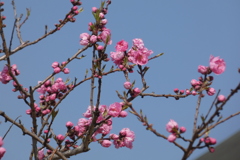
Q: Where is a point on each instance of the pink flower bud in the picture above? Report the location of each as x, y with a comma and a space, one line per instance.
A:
171, 138
221, 98
194, 93
93, 39
136, 90
127, 85
202, 69
74, 8
211, 149
212, 140
176, 90
28, 111
194, 82
202, 140
188, 92
55, 64
66, 71
182, 129
106, 143
46, 131
104, 21
1, 142
181, 91
211, 91
69, 124
123, 114
57, 70
52, 97
100, 48
2, 152
60, 137
101, 15
94, 9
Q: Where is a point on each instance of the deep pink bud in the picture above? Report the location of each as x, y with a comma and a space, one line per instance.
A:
194, 93
202, 69
127, 85
176, 90
212, 140
221, 98
2, 152
123, 114
74, 8
181, 91
1, 142
182, 129
57, 70
60, 137
52, 97
211, 91
66, 71
46, 131
211, 149
171, 138
55, 64
94, 9
69, 124
100, 47
106, 143
28, 111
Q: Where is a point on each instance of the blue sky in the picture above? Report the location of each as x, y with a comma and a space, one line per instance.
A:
187, 31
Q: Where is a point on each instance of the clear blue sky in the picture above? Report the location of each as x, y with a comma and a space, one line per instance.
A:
187, 31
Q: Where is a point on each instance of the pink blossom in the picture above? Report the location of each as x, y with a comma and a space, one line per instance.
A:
84, 39
139, 57
128, 142
127, 133
105, 129
115, 109
5, 76
172, 126
188, 92
202, 69
60, 137
93, 39
101, 15
106, 143
136, 92
88, 113
105, 36
221, 98
121, 46
211, 91
52, 97
1, 142
2, 152
116, 56
217, 65
138, 43
41, 154
171, 138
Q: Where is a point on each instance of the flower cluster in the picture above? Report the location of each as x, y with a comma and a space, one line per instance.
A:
124, 139
50, 91
105, 33
172, 127
57, 68
208, 142
5, 77
2, 150
138, 54
217, 66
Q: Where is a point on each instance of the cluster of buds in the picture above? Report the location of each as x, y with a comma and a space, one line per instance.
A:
208, 142
172, 127
5, 76
2, 150
2, 17
51, 91
39, 111
57, 68
133, 91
